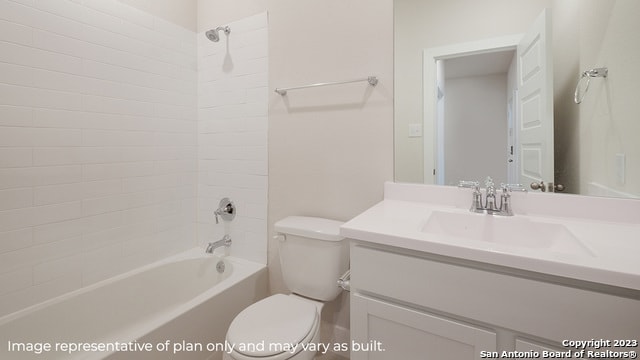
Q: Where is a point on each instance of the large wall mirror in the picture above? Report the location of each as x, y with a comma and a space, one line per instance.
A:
461, 109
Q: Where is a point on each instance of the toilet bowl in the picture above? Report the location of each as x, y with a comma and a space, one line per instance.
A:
313, 255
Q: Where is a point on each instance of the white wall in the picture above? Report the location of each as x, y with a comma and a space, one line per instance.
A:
330, 149
97, 144
476, 128
232, 134
608, 122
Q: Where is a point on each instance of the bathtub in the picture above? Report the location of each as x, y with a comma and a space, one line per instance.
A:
178, 308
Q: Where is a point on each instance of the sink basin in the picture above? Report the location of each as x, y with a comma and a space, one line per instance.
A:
508, 230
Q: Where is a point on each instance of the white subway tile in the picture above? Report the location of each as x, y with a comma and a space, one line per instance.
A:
57, 156
116, 106
98, 239
102, 20
108, 7
57, 99
101, 258
49, 41
140, 199
136, 184
57, 231
16, 239
51, 175
57, 212
56, 137
54, 80
17, 95
57, 268
15, 157
16, 116
103, 205
58, 118
98, 123
117, 138
103, 70
100, 87
16, 136
48, 21
35, 254
25, 2
93, 189
16, 33
17, 13
15, 280
16, 198
57, 287
56, 194
16, 74
139, 17
16, 301
64, 8
93, 172
102, 221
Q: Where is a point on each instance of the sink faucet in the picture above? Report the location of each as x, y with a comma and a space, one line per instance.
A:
225, 241
490, 206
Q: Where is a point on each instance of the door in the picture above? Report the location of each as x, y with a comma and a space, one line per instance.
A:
535, 103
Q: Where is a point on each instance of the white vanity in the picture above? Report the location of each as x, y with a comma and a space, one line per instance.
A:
431, 280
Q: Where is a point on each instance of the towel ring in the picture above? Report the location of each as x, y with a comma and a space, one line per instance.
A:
592, 73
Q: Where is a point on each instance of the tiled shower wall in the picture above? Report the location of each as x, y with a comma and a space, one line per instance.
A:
232, 134
98, 144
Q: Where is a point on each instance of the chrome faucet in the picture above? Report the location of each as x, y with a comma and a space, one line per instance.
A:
225, 241
490, 205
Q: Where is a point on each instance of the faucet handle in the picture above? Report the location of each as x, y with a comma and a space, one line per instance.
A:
226, 210
469, 184
513, 187
488, 182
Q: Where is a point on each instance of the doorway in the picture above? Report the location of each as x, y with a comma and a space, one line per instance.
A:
475, 114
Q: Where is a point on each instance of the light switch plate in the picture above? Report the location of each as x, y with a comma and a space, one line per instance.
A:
415, 130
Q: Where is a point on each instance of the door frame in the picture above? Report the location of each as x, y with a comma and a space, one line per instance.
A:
433, 156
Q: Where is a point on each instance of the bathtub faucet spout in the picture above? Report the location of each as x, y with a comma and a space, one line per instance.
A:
225, 241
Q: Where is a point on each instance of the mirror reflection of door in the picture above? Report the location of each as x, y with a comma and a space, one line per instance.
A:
492, 109
475, 119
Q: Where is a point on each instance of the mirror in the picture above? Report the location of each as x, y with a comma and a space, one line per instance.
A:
596, 147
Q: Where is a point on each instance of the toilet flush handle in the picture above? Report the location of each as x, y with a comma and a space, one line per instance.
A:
280, 237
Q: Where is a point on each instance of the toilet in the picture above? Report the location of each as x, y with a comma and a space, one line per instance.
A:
313, 256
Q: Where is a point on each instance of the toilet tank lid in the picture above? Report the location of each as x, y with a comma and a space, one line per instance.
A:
311, 227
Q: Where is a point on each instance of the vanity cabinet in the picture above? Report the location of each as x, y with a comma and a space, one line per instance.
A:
391, 331
422, 306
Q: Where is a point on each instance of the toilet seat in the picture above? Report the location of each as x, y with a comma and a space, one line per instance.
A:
279, 320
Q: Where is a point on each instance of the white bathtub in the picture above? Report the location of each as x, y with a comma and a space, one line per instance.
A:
180, 299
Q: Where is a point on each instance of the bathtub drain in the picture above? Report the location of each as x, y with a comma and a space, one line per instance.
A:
220, 266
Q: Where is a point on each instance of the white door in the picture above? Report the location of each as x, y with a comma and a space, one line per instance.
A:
535, 103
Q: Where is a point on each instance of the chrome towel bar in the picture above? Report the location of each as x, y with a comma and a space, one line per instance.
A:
372, 80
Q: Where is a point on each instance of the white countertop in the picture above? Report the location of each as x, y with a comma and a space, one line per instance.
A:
613, 242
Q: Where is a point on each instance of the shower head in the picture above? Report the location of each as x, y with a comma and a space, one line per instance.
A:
213, 33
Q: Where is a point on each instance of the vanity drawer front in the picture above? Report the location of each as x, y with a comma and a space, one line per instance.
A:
403, 333
547, 310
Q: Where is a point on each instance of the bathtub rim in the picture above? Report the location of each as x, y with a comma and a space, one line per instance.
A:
248, 268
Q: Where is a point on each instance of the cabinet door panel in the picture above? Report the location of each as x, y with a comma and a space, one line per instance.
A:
395, 332
544, 350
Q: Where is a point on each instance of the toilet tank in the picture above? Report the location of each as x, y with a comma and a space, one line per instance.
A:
313, 255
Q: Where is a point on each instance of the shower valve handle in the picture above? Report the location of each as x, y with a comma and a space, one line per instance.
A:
226, 210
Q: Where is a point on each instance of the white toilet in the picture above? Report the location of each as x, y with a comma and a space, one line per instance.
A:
313, 256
